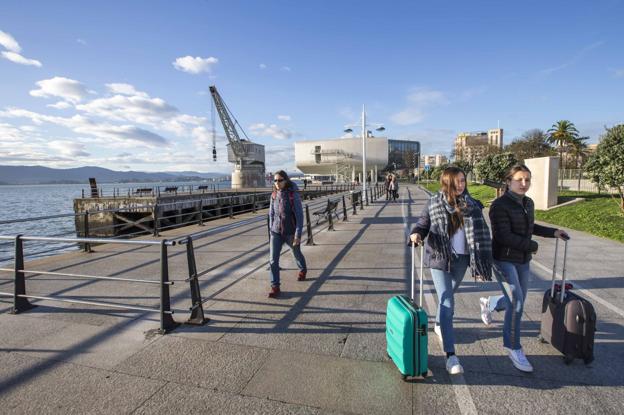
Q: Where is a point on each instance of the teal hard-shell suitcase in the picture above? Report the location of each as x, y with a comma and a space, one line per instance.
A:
406, 330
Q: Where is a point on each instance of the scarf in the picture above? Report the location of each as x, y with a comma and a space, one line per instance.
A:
477, 232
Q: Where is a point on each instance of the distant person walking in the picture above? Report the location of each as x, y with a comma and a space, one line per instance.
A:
457, 237
394, 188
387, 186
285, 225
512, 218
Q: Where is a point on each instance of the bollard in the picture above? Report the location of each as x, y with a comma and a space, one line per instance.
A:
330, 218
344, 209
354, 202
310, 240
167, 323
155, 218
361, 201
366, 196
197, 309
86, 246
19, 287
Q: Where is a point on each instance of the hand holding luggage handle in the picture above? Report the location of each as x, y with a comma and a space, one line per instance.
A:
563, 271
422, 251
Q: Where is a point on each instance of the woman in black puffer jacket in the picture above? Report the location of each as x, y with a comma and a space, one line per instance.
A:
512, 221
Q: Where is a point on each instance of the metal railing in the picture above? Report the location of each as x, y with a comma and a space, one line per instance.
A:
21, 299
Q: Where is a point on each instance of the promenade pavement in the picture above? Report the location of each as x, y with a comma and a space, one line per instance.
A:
319, 348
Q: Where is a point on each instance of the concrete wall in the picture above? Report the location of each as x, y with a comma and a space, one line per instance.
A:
543, 189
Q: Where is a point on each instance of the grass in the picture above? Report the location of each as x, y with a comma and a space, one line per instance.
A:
598, 215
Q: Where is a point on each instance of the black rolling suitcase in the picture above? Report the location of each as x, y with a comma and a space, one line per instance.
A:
568, 320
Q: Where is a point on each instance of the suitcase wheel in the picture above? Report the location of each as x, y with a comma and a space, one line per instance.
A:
541, 339
567, 359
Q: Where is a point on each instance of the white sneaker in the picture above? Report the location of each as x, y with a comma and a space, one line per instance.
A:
438, 331
519, 360
453, 366
486, 313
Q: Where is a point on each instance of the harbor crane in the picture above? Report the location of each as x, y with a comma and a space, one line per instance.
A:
248, 157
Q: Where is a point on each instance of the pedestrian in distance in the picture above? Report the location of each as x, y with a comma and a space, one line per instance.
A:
512, 219
457, 238
387, 186
395, 188
286, 225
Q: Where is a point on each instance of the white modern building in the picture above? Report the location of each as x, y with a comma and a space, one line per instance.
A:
342, 157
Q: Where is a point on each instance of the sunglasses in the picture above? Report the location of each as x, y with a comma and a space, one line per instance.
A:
278, 180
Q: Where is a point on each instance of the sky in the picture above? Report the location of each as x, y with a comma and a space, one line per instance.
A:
124, 84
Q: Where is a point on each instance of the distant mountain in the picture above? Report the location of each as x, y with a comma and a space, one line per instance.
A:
80, 175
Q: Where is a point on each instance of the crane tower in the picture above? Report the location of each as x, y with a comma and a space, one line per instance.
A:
248, 157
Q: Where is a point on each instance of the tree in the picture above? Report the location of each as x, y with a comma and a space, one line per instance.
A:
606, 165
494, 167
533, 143
578, 150
562, 133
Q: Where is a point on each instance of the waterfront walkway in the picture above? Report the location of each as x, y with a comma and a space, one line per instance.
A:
320, 348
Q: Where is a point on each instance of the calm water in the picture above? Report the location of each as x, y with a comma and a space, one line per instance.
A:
28, 201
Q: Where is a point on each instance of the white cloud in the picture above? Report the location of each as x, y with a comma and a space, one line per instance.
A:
81, 41
286, 68
67, 89
283, 117
280, 157
124, 89
69, 148
270, 130
17, 58
262, 66
619, 73
61, 105
577, 57
9, 42
195, 65
419, 100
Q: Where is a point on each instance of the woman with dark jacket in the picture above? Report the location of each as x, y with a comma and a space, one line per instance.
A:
285, 226
512, 220
457, 238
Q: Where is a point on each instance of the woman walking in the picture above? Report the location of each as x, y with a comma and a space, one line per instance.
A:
512, 219
457, 238
285, 226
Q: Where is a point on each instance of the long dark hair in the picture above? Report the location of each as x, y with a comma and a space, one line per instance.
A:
284, 176
513, 170
447, 184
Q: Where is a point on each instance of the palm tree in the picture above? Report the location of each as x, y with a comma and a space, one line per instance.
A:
562, 133
578, 150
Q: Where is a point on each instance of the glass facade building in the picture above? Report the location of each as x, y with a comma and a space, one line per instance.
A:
403, 154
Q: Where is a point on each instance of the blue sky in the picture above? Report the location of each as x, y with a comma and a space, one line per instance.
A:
123, 84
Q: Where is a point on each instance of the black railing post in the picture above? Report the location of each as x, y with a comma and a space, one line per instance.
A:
253, 198
344, 209
167, 323
19, 287
201, 212
197, 309
361, 200
231, 209
155, 217
310, 240
366, 195
330, 218
354, 202
86, 246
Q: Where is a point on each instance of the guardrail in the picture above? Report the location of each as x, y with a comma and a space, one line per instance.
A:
21, 299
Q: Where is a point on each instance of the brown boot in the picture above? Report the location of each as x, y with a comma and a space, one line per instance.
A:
302, 275
275, 291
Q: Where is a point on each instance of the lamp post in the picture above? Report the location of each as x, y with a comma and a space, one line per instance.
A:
365, 133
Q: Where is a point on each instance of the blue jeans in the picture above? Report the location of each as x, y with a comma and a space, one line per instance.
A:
514, 281
276, 243
446, 283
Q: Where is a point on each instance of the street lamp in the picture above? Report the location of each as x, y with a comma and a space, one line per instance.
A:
365, 133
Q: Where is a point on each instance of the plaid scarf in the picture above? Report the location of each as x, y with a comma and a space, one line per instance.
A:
477, 233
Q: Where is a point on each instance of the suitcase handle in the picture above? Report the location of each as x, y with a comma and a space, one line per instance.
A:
563, 271
422, 255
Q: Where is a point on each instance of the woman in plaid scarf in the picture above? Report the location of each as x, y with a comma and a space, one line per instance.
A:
457, 238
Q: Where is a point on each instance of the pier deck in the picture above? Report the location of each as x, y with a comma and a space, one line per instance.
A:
320, 348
